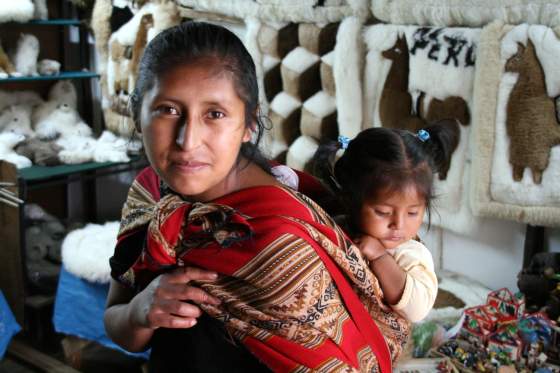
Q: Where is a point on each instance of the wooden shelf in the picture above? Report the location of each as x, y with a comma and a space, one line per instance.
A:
62, 75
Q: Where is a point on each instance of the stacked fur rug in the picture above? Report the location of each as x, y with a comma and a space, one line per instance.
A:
417, 75
517, 136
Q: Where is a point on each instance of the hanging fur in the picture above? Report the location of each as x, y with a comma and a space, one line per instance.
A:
140, 43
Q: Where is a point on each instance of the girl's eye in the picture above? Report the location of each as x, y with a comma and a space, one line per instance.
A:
215, 114
413, 213
382, 213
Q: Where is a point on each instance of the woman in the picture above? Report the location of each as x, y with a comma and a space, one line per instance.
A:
219, 267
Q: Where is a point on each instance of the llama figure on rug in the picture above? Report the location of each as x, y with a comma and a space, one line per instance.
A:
395, 104
531, 121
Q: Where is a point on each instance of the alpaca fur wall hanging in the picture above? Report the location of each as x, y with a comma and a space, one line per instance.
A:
6, 66
473, 13
517, 154
418, 75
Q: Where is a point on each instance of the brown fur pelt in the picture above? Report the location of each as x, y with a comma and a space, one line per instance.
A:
146, 22
395, 104
119, 55
5, 63
531, 121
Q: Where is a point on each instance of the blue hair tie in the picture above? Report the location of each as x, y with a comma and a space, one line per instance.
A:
423, 135
343, 141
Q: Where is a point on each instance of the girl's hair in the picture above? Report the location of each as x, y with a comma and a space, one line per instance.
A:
385, 160
190, 42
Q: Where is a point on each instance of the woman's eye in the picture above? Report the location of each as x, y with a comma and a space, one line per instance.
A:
167, 110
382, 213
215, 114
413, 213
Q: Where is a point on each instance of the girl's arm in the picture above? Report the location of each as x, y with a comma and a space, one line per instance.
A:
391, 276
130, 320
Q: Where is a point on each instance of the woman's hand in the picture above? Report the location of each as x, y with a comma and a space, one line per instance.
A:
370, 247
170, 302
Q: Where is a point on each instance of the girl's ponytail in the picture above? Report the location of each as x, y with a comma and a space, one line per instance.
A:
322, 164
443, 140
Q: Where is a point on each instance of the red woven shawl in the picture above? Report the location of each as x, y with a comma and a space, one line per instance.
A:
294, 289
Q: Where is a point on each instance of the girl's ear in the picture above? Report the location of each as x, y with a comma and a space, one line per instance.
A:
248, 134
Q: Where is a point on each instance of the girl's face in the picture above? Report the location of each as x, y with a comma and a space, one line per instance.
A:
193, 125
393, 217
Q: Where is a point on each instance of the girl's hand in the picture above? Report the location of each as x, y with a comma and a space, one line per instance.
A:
370, 247
169, 301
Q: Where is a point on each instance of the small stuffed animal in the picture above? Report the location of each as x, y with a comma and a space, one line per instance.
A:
16, 119
8, 140
19, 97
27, 52
48, 67
64, 92
41, 10
63, 121
6, 66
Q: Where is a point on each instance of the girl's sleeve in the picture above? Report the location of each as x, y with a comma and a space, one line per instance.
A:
421, 281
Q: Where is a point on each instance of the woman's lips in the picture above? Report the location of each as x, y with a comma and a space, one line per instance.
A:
190, 166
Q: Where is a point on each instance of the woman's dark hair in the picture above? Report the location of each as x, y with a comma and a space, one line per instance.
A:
385, 160
189, 42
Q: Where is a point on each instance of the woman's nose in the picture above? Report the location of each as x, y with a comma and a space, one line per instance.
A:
189, 134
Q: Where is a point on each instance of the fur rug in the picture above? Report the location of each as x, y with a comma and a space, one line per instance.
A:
86, 251
412, 76
474, 13
494, 191
284, 11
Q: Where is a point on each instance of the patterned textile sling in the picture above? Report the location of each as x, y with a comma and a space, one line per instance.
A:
294, 289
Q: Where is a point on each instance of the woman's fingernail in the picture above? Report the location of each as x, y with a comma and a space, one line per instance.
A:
193, 322
214, 275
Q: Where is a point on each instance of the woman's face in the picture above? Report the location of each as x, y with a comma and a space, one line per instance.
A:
393, 217
193, 125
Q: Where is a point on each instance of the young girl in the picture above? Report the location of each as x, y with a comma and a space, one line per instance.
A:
384, 181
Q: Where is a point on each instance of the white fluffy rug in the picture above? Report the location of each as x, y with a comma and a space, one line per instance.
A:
86, 251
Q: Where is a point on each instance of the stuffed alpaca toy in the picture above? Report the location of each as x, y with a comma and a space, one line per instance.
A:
18, 11
48, 67
19, 97
16, 119
6, 66
41, 10
63, 92
63, 121
8, 140
42, 153
26, 54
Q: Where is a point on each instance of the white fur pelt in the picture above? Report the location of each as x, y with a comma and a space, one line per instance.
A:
62, 92
8, 140
347, 67
86, 251
26, 54
493, 191
18, 11
281, 11
473, 13
435, 79
17, 119
502, 187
